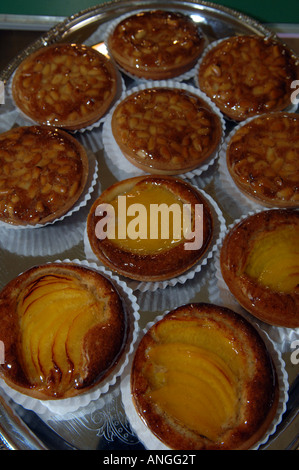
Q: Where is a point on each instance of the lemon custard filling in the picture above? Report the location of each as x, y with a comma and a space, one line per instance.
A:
273, 260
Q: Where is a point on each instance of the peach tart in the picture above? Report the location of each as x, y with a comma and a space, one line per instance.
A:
43, 173
263, 159
156, 44
166, 130
63, 327
248, 75
138, 244
203, 379
70, 86
259, 262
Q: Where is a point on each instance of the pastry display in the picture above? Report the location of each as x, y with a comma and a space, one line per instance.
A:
63, 327
69, 86
259, 263
143, 233
166, 130
263, 159
202, 378
43, 172
156, 44
248, 75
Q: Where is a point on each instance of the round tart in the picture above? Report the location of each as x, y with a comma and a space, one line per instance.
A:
156, 44
248, 75
166, 130
43, 172
63, 327
263, 159
259, 263
139, 229
65, 85
202, 378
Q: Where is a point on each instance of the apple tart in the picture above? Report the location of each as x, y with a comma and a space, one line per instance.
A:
136, 227
43, 172
263, 159
156, 44
203, 379
63, 327
69, 86
248, 75
259, 262
165, 130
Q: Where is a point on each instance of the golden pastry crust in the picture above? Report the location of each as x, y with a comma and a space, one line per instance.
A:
248, 75
259, 259
173, 391
43, 172
69, 86
156, 44
164, 262
166, 130
63, 327
263, 159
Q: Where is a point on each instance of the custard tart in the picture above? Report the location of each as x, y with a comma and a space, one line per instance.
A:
166, 130
139, 227
43, 172
69, 86
156, 44
63, 327
248, 75
259, 262
263, 159
203, 379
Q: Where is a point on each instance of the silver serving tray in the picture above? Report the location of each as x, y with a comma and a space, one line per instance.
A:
103, 424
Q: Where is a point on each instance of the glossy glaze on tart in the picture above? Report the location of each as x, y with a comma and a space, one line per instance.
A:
248, 75
166, 130
263, 159
43, 172
63, 327
69, 86
259, 263
202, 378
133, 250
156, 44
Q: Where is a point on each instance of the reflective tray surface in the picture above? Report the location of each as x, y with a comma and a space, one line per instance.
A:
103, 424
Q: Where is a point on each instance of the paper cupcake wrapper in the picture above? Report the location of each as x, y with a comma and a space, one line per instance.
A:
151, 442
81, 202
117, 162
219, 229
227, 191
291, 108
68, 405
219, 293
112, 25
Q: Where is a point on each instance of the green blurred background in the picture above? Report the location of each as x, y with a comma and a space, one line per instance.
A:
268, 11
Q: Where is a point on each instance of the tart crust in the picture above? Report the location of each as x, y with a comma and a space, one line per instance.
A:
69, 86
274, 304
156, 44
163, 263
43, 173
69, 361
167, 351
166, 130
263, 159
248, 75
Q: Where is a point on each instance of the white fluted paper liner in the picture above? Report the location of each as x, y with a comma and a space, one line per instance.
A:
219, 293
68, 405
151, 442
118, 163
112, 25
81, 202
218, 233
